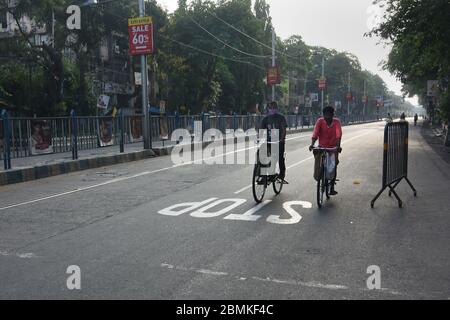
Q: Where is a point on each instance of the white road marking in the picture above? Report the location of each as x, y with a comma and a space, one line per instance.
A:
295, 216
124, 179
250, 214
302, 161
309, 284
28, 255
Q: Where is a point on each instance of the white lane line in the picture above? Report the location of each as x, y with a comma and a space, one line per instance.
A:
127, 178
28, 255
309, 284
243, 189
304, 160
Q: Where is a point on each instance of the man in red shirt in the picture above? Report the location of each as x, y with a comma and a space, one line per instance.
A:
329, 132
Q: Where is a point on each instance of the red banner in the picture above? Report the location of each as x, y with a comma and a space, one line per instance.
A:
273, 75
322, 83
141, 35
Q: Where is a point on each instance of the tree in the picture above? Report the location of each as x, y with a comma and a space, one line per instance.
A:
419, 32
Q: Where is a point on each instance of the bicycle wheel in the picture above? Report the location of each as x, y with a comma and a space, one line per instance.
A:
320, 189
259, 184
327, 188
277, 183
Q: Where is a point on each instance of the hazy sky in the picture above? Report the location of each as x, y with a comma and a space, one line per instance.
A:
335, 24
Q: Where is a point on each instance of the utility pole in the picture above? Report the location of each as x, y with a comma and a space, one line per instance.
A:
304, 91
348, 98
323, 75
365, 101
144, 78
53, 28
273, 61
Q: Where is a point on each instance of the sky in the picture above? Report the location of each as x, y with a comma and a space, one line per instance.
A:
335, 24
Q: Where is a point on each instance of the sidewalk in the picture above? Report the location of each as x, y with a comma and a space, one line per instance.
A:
435, 139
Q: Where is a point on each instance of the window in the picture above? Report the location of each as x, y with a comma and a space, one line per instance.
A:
3, 20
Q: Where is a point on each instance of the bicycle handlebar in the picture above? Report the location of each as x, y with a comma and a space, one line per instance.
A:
326, 149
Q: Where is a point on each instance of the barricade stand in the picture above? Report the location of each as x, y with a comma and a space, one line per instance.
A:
395, 160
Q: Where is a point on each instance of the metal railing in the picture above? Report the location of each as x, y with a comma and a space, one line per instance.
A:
24, 137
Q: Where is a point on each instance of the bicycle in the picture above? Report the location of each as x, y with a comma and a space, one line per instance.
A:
261, 181
323, 184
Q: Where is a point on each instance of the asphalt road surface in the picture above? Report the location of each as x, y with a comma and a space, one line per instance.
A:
120, 225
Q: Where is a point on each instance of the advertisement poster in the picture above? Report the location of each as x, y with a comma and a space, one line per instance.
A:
41, 137
273, 75
163, 125
103, 102
136, 130
105, 132
140, 32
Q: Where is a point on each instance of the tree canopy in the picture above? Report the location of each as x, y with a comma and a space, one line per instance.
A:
210, 56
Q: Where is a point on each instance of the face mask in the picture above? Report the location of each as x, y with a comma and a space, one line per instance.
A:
273, 111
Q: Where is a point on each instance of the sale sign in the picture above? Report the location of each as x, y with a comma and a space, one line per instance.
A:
273, 75
141, 35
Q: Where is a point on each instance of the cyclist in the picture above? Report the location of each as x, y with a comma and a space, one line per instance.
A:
328, 131
275, 120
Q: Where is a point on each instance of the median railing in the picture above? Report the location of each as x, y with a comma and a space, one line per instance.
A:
24, 137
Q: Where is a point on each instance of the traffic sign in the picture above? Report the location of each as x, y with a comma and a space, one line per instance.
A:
140, 35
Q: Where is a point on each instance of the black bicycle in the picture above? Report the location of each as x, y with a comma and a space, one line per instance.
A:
263, 177
323, 183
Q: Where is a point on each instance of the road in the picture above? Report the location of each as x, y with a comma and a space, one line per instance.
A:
113, 223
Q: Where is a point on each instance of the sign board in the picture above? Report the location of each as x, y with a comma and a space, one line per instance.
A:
140, 32
432, 88
273, 75
103, 101
337, 105
314, 97
137, 79
365, 99
322, 83
41, 137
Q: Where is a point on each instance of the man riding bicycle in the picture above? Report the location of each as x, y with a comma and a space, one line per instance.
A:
328, 131
276, 121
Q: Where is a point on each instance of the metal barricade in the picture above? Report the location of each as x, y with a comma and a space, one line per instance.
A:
395, 159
